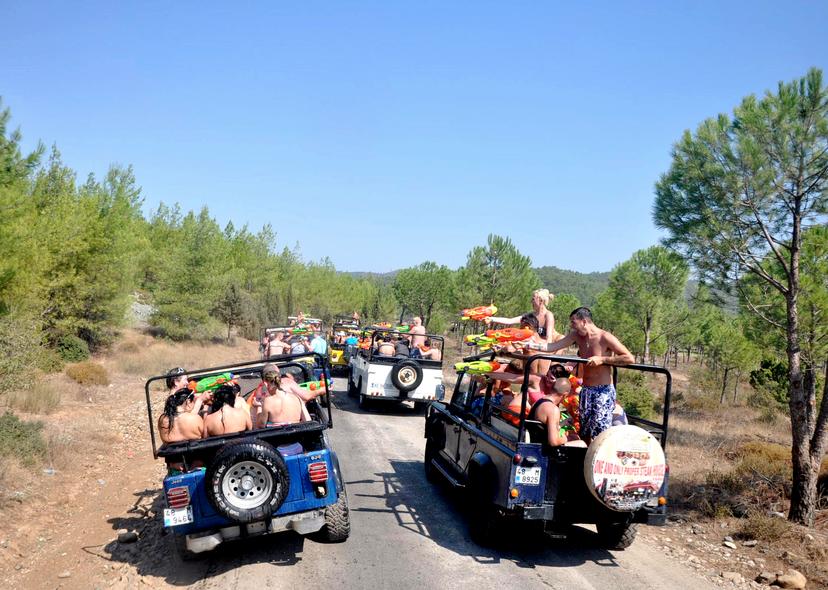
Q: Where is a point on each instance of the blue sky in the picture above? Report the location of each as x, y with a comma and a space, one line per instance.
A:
383, 134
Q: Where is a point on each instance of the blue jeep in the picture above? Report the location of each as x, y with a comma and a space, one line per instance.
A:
254, 482
502, 461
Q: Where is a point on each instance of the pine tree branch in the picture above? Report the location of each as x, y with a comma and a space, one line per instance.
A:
756, 310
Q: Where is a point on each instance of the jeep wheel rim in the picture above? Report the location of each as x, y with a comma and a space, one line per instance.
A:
407, 376
247, 485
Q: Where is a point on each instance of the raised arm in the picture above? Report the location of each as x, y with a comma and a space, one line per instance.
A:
505, 321
567, 340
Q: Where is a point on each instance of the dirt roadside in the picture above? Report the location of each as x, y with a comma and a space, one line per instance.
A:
61, 530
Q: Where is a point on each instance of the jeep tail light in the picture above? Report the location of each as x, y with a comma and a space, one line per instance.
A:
318, 472
178, 497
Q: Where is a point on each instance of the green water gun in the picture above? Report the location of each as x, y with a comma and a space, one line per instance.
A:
480, 340
316, 385
210, 383
402, 329
478, 367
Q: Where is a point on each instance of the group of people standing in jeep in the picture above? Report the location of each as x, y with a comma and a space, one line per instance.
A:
550, 384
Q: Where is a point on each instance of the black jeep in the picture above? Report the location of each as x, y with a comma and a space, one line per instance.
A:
508, 471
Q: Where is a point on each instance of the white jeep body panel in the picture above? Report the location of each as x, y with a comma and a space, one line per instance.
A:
374, 380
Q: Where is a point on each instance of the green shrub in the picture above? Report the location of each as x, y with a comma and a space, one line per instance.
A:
88, 373
50, 361
20, 351
73, 349
636, 400
22, 440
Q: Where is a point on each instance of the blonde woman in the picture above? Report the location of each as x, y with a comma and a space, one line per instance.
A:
546, 321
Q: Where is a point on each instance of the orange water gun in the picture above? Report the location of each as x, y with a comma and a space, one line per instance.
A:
572, 404
576, 383
479, 313
510, 334
314, 385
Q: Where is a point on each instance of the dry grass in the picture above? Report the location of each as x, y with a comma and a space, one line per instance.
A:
40, 398
764, 528
88, 373
145, 356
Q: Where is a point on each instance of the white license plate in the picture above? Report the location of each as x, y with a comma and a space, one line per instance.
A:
178, 516
528, 476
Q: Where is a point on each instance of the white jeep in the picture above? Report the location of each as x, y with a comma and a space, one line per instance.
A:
405, 375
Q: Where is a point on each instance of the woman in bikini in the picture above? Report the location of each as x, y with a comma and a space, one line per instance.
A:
546, 320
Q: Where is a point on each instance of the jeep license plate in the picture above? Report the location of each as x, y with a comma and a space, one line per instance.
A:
528, 476
178, 516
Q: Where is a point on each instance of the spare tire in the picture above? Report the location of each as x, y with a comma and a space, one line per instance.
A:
406, 375
624, 468
247, 481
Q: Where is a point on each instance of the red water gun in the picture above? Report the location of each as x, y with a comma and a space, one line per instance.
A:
510, 334
479, 313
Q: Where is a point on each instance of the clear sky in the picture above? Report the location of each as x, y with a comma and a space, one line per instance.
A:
382, 134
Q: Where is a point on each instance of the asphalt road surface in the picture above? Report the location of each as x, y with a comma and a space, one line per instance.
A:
406, 533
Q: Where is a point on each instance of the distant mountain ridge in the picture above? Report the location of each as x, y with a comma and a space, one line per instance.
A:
584, 286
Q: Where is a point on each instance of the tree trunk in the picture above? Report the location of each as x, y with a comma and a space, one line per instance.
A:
647, 327
805, 471
736, 386
724, 386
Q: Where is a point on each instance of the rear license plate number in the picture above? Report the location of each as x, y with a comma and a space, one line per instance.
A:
178, 516
529, 476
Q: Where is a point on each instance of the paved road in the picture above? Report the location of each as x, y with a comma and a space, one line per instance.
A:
407, 534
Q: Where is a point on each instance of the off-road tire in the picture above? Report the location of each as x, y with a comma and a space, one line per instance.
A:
337, 526
259, 464
431, 473
406, 375
617, 535
485, 522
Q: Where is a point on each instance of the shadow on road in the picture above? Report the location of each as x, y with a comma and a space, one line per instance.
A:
154, 554
343, 402
438, 514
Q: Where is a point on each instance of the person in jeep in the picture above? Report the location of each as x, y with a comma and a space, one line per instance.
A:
602, 351
279, 407
224, 416
179, 420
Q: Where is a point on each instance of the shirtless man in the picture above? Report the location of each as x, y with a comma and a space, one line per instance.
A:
546, 410
417, 332
386, 348
277, 345
179, 422
602, 351
224, 417
279, 407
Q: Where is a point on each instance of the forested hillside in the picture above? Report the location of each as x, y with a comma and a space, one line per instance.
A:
584, 286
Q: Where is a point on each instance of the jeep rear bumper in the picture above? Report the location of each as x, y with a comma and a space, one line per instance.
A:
303, 523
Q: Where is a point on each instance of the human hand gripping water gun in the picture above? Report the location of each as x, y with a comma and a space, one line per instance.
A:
510, 334
478, 313
478, 367
210, 383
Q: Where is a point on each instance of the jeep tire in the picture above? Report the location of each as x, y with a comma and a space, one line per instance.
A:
247, 481
616, 535
406, 375
337, 526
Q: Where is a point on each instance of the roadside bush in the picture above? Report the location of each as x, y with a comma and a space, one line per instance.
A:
73, 349
50, 361
634, 395
88, 373
770, 384
763, 528
22, 440
20, 351
40, 398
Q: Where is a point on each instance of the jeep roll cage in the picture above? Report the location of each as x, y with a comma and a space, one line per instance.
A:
658, 430
386, 331
249, 370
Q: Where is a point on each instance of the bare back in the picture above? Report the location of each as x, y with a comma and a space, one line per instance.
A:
281, 408
185, 426
227, 420
417, 336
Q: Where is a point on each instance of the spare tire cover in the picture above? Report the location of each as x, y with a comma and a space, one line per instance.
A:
406, 375
624, 468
